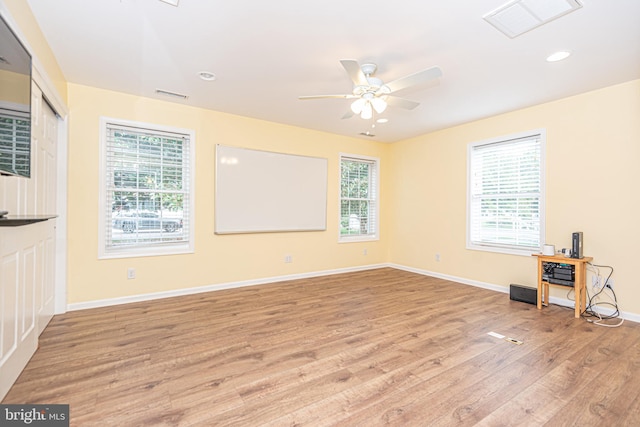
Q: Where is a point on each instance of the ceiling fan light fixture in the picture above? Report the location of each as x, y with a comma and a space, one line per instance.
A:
379, 105
367, 111
370, 93
358, 105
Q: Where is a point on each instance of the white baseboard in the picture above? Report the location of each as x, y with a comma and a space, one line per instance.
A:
231, 285
462, 280
209, 288
633, 317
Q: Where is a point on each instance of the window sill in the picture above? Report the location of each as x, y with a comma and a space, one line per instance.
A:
352, 239
147, 252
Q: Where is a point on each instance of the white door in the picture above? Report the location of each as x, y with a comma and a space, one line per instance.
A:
18, 278
46, 129
27, 253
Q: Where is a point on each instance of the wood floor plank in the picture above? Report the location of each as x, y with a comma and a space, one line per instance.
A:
611, 394
369, 348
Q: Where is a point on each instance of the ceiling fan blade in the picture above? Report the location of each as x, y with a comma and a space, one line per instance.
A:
355, 72
414, 79
348, 115
345, 96
401, 102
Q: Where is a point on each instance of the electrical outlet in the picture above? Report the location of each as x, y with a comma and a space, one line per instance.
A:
595, 282
288, 259
437, 257
610, 284
364, 251
131, 273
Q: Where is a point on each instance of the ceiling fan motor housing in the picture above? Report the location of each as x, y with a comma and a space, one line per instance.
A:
368, 69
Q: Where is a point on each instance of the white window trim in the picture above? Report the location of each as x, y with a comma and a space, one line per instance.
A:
509, 250
173, 249
359, 238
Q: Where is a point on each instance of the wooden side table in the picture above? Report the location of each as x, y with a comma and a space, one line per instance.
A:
579, 285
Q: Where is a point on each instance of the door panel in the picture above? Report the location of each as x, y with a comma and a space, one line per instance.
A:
27, 253
18, 272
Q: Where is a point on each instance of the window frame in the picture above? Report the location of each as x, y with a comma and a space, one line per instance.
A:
182, 247
494, 247
375, 162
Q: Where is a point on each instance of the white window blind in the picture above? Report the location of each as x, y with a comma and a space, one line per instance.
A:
147, 188
506, 200
15, 143
358, 198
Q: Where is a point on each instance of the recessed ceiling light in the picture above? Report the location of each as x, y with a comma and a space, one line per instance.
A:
382, 121
171, 2
558, 56
206, 75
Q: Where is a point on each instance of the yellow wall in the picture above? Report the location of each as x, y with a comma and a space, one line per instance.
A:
40, 50
592, 162
217, 258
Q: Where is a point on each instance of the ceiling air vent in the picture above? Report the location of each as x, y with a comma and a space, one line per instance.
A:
171, 94
369, 134
519, 16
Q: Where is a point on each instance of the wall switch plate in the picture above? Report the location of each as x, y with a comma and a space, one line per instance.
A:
131, 273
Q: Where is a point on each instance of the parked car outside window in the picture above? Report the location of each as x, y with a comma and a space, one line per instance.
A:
132, 221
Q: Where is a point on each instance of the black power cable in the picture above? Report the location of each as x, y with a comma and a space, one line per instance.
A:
590, 313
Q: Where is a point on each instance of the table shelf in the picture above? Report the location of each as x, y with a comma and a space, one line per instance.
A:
579, 284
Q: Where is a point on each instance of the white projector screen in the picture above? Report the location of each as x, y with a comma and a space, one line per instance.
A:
260, 191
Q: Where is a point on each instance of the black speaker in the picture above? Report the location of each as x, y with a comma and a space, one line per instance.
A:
523, 294
576, 245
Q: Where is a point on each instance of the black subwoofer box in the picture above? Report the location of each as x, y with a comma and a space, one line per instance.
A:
523, 294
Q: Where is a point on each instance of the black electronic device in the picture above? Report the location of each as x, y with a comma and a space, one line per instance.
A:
558, 273
523, 294
576, 245
15, 104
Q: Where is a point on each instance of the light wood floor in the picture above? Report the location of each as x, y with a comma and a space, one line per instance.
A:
380, 347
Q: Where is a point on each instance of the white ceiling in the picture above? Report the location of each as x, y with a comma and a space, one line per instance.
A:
267, 53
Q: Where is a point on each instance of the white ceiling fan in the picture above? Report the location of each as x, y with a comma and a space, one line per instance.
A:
371, 93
